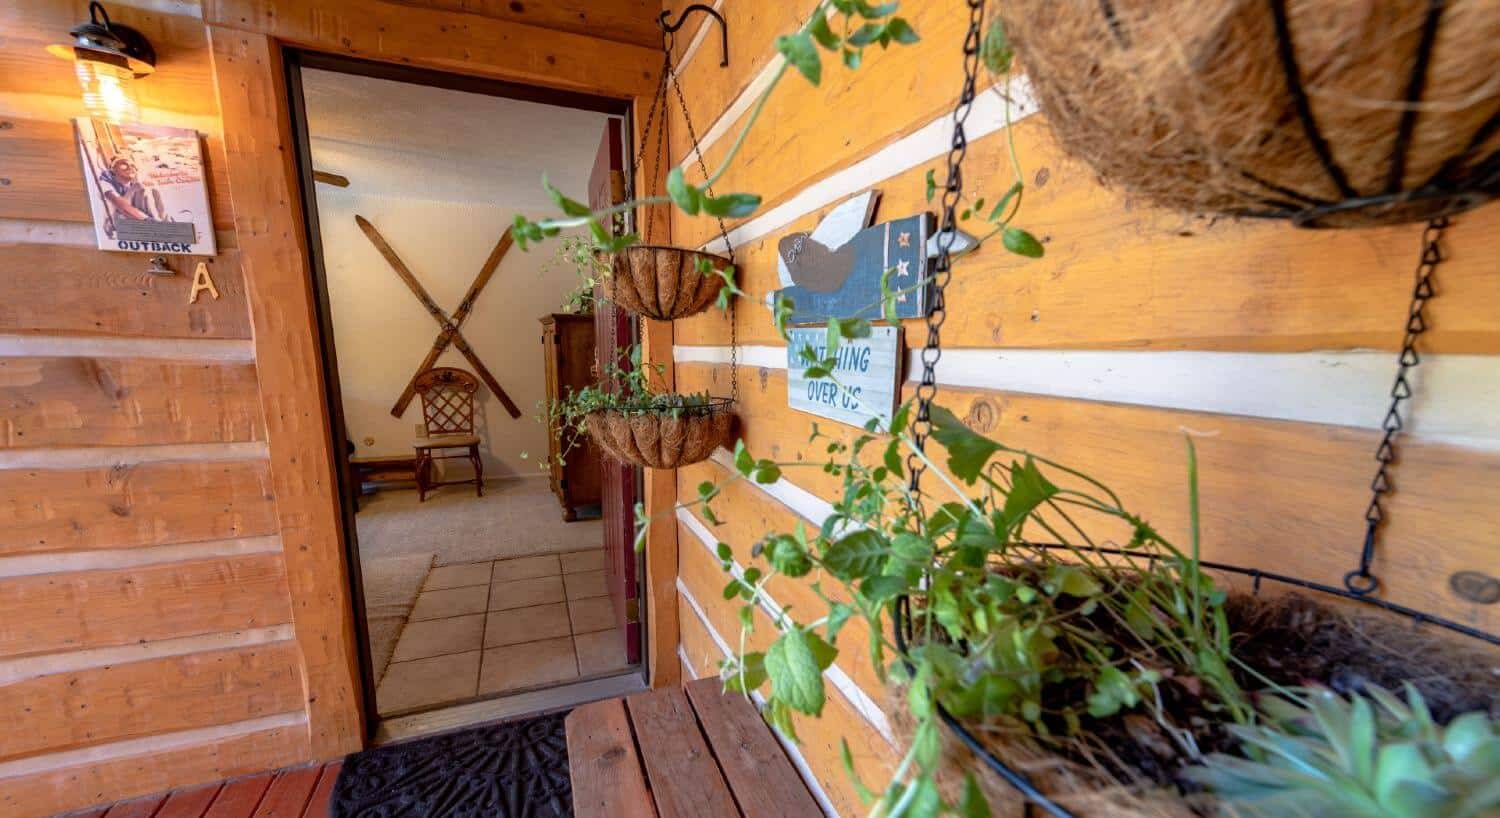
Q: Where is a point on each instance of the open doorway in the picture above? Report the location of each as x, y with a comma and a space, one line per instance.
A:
480, 571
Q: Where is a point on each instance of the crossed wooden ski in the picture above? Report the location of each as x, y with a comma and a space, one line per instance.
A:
450, 327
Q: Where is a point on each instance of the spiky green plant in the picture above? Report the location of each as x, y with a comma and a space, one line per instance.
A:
1367, 756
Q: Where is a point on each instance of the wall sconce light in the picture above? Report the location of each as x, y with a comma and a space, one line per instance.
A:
108, 58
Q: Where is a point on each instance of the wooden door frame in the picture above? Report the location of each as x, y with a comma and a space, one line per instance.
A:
249, 42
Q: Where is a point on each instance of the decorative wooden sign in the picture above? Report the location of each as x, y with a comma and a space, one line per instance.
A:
835, 271
865, 383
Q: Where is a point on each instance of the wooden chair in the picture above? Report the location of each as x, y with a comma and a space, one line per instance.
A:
448, 413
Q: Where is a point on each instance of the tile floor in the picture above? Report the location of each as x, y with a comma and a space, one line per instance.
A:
497, 627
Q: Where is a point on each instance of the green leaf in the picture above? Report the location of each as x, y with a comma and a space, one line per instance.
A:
884, 588
1022, 243
866, 35
848, 758
780, 716
838, 615
788, 556
1073, 581
972, 803
995, 50
854, 327
852, 59
685, 196
724, 553
795, 677
800, 51
749, 676
901, 31
931, 184
1000, 206
568, 206
856, 556
818, 28
892, 457
1028, 489
968, 451
731, 205
743, 462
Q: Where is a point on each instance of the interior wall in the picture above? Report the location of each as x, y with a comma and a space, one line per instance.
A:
173, 607
381, 333
1276, 345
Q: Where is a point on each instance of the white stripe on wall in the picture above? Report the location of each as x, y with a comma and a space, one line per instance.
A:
89, 346
793, 752
112, 559
1454, 402
31, 667
150, 745
104, 457
852, 692
925, 143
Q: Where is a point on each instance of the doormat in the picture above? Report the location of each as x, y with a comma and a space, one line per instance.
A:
512, 770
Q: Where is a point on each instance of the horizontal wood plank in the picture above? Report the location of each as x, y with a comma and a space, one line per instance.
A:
189, 803
49, 288
1276, 495
1123, 277
129, 505
626, 21
47, 180
58, 612
65, 711
765, 783
685, 780
702, 654
53, 792
605, 770
69, 402
289, 793
239, 798
450, 40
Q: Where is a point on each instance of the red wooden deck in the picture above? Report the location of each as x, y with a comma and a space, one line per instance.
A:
303, 792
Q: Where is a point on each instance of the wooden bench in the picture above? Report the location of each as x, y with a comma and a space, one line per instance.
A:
702, 754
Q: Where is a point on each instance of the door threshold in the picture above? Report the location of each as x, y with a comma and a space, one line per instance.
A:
505, 708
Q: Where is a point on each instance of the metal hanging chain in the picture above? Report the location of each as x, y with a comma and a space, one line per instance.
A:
932, 352
1360, 581
687, 119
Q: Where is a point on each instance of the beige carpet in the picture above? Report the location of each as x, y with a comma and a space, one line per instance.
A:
401, 539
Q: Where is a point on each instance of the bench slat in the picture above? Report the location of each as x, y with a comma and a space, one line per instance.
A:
762, 777
685, 779
603, 765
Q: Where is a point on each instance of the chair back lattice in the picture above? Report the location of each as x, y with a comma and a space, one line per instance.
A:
447, 400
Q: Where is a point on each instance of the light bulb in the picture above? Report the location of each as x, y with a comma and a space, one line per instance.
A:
108, 90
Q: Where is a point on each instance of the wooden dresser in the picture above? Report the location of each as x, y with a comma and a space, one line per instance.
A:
568, 349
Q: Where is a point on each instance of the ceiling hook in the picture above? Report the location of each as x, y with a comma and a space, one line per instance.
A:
671, 28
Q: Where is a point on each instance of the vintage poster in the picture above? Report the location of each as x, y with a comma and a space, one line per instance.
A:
146, 187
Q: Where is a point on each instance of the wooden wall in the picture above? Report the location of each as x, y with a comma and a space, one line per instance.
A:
1276, 345
173, 602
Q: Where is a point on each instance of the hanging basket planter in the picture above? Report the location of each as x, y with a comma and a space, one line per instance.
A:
1352, 114
662, 438
665, 283
1137, 766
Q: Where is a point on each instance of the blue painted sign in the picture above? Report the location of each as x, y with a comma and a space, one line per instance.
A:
862, 385
842, 279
